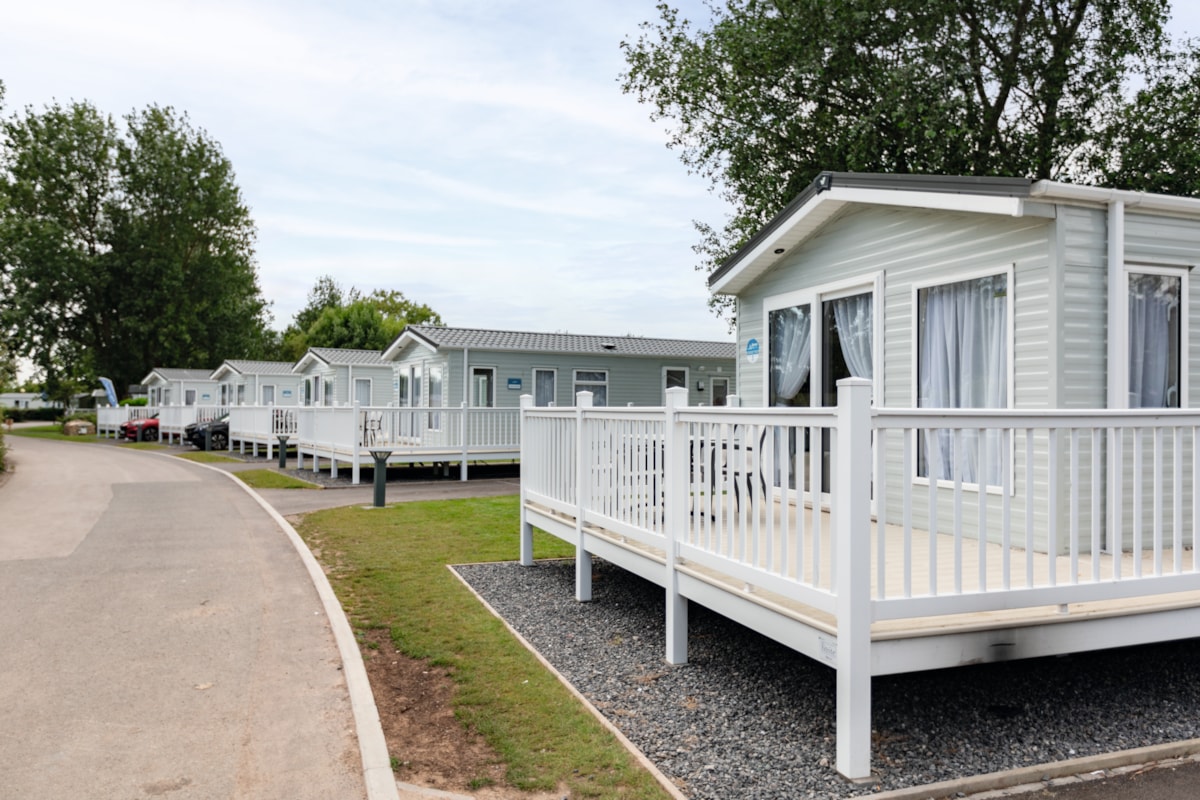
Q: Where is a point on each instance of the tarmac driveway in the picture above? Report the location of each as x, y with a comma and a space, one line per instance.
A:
161, 637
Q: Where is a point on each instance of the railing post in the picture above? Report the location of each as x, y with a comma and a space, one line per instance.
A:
462, 467
526, 528
675, 475
852, 501
583, 559
356, 437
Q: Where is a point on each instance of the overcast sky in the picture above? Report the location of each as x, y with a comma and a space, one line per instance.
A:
477, 155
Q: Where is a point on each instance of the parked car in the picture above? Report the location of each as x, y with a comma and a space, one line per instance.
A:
145, 430
219, 428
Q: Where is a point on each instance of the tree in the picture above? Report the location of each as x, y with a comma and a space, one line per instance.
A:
335, 317
775, 91
122, 252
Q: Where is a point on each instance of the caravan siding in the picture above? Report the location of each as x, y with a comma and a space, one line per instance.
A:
909, 249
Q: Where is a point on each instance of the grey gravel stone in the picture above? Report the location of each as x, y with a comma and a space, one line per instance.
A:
749, 718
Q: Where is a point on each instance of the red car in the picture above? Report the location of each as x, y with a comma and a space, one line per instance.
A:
145, 430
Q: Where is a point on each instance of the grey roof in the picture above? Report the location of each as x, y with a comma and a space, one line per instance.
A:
259, 367
340, 357
522, 341
944, 184
166, 373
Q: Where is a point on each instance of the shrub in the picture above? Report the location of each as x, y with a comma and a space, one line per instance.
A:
133, 401
32, 414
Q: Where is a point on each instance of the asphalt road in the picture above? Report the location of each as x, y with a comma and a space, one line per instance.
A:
161, 637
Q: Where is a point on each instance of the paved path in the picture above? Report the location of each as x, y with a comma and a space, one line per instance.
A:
161, 637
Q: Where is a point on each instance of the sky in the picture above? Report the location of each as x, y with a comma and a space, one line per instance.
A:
477, 155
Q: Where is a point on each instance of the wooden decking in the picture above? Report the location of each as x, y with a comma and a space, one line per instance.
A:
983, 569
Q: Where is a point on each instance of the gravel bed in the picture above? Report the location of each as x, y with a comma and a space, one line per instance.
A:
749, 718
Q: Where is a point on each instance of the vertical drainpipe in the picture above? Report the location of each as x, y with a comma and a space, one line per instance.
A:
1118, 378
1118, 360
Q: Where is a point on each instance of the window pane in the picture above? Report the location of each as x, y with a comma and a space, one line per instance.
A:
584, 377
676, 379
962, 353
543, 387
790, 330
1154, 340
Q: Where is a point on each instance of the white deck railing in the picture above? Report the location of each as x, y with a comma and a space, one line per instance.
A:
348, 434
835, 509
109, 418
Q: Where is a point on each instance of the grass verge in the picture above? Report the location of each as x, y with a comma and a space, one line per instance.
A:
51, 431
269, 479
388, 567
202, 457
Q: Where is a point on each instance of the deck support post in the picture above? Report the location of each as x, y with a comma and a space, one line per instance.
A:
583, 559
675, 489
283, 440
466, 442
526, 528
852, 532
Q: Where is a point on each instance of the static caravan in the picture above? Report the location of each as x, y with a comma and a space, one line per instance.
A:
180, 387
981, 293
441, 366
257, 383
967, 433
340, 377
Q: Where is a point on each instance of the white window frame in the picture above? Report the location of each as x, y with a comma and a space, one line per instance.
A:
1010, 272
189, 397
712, 388
435, 419
328, 399
492, 379
814, 297
686, 378
578, 386
553, 378
1181, 271
262, 394
240, 393
370, 391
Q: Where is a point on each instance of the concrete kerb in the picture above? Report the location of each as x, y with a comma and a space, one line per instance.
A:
1033, 778
638, 755
377, 765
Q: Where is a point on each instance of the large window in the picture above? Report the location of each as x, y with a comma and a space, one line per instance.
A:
483, 387
362, 391
268, 394
545, 383
790, 331
594, 381
962, 362
1155, 340
435, 396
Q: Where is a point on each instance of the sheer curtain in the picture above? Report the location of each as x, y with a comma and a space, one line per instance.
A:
791, 334
853, 317
963, 354
1154, 341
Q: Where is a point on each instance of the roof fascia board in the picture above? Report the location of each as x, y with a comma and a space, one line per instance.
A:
304, 361
1070, 192
762, 257
403, 340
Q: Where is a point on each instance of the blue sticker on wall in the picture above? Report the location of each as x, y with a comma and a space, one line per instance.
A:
752, 350
514, 383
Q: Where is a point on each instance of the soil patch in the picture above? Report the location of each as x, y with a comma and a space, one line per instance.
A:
428, 745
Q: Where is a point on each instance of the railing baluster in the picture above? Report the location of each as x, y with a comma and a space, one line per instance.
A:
1138, 490
981, 507
956, 440
906, 485
1177, 491
879, 493
1029, 484
933, 456
1097, 488
1006, 464
1052, 507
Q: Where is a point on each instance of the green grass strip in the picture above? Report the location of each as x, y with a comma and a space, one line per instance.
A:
50, 431
388, 567
269, 479
202, 457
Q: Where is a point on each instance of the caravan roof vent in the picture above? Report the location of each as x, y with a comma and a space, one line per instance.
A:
608, 345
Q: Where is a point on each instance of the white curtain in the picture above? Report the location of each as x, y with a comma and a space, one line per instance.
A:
964, 364
853, 318
543, 387
1153, 345
791, 334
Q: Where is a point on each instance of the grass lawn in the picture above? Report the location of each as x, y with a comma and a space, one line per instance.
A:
269, 479
388, 567
48, 431
202, 457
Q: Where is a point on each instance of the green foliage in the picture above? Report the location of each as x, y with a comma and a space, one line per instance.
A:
339, 318
134, 401
772, 92
388, 567
32, 414
121, 251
